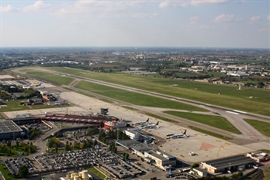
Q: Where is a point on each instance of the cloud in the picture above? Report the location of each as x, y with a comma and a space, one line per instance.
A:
255, 18
144, 15
268, 17
194, 19
38, 5
226, 18
95, 7
185, 3
4, 9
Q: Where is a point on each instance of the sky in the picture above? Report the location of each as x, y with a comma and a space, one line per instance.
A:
135, 23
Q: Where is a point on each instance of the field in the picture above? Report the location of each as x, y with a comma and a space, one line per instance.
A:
134, 98
262, 127
215, 121
210, 133
52, 78
14, 105
247, 99
6, 173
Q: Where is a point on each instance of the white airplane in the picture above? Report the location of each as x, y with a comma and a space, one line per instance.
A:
151, 126
174, 136
141, 122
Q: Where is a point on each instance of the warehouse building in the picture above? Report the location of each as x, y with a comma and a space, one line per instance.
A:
228, 164
9, 130
132, 134
160, 159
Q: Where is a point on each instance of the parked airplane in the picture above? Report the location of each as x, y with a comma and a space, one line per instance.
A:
174, 136
151, 126
141, 122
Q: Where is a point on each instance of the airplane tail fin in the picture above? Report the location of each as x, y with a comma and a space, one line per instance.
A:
157, 123
147, 120
185, 132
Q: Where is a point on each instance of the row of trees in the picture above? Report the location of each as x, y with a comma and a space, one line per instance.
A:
76, 145
10, 149
112, 135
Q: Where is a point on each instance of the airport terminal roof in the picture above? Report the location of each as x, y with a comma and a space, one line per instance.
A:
135, 145
230, 161
9, 127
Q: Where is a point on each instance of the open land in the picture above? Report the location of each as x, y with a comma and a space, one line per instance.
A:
228, 96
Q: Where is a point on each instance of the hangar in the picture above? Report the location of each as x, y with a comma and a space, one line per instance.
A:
232, 163
9, 130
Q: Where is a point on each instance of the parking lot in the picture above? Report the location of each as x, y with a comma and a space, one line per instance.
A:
110, 163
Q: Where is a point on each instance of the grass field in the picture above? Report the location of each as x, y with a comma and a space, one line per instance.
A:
97, 172
52, 78
262, 127
161, 118
222, 95
215, 121
14, 105
6, 173
210, 133
130, 108
134, 98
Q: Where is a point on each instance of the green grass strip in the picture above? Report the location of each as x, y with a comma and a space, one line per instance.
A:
14, 105
106, 100
262, 127
130, 108
161, 118
265, 150
97, 172
134, 98
210, 133
6, 173
215, 121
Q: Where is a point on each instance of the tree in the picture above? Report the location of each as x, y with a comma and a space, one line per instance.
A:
23, 171
194, 165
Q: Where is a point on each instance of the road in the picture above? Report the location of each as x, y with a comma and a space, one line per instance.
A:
234, 116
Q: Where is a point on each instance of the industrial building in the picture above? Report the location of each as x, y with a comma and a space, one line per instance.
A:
9, 130
133, 134
231, 164
158, 158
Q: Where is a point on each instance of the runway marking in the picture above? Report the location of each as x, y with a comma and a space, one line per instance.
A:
240, 111
232, 112
205, 146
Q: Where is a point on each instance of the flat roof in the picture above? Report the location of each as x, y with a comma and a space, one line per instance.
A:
135, 145
8, 126
230, 161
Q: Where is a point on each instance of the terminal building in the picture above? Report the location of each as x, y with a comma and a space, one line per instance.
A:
158, 158
231, 164
9, 130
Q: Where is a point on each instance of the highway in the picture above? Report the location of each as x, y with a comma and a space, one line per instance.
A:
234, 116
